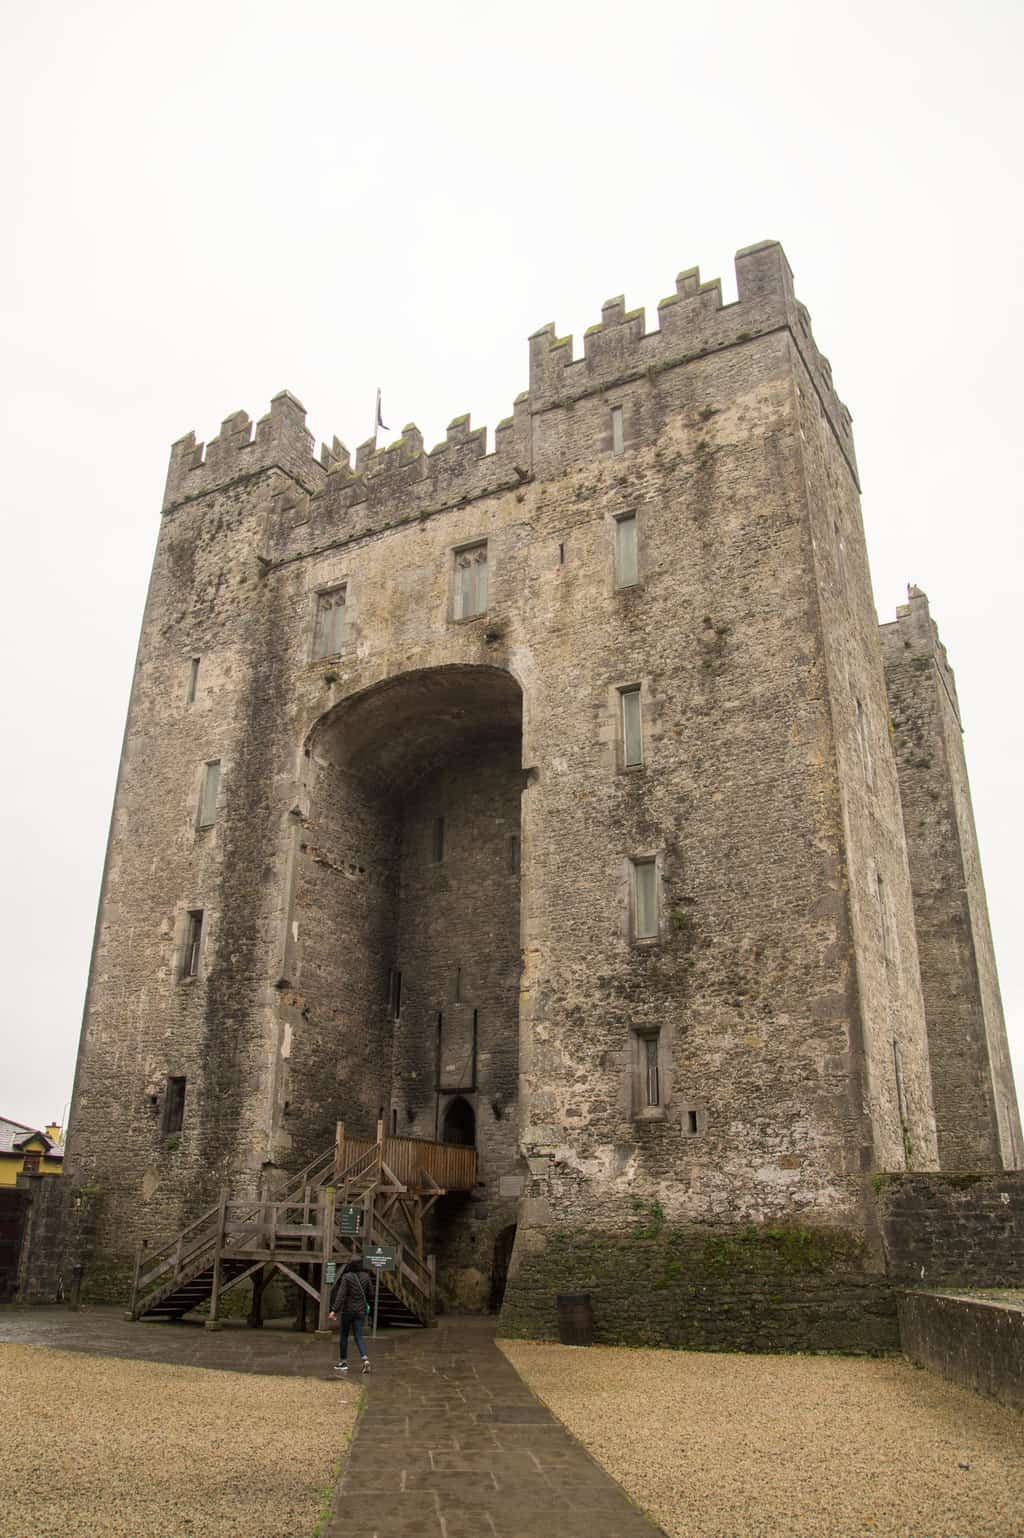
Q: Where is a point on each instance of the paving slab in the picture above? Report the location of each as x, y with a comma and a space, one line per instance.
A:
472, 1453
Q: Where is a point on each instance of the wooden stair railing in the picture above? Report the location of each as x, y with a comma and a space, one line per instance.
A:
301, 1228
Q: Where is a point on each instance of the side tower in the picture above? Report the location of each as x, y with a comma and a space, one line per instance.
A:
540, 797
972, 1081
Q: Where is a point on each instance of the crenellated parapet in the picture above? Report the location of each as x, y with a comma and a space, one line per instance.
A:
281, 438
403, 476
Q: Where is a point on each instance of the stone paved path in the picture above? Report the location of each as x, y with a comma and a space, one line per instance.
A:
452, 1444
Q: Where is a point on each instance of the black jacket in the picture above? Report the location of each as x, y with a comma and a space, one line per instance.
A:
346, 1295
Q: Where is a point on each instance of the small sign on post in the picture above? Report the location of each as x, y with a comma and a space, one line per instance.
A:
377, 1259
331, 1271
349, 1218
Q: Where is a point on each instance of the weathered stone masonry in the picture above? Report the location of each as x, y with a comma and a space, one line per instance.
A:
682, 993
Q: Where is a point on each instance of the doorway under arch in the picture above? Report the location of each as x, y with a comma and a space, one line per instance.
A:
459, 1125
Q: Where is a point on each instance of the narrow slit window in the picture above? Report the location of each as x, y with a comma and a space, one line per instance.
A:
645, 900
193, 681
900, 1095
618, 441
513, 853
691, 1122
458, 985
438, 846
394, 993
652, 1082
626, 568
632, 728
470, 596
174, 1106
193, 943
394, 1121
864, 738
208, 803
329, 635
883, 918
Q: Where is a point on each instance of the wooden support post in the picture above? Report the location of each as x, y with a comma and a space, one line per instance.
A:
213, 1323
339, 1147
259, 1281
330, 1195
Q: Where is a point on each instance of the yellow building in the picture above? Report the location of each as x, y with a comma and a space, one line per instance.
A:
29, 1150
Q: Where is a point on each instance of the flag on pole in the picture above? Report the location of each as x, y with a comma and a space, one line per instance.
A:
378, 421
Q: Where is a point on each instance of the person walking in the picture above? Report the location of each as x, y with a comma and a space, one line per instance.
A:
350, 1301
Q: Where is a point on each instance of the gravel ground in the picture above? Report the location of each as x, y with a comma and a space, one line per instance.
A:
97, 1447
727, 1446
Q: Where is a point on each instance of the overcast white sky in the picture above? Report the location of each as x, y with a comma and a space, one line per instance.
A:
206, 203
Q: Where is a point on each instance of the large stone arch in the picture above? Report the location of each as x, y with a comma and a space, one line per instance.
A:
404, 928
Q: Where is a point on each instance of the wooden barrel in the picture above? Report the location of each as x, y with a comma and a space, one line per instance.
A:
575, 1319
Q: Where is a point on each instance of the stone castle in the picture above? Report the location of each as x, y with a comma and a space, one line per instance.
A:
565, 800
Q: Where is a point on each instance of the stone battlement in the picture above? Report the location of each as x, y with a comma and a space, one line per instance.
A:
692, 323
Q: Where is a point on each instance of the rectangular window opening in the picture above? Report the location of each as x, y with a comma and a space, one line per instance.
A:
626, 568
513, 853
652, 1085
691, 1122
329, 635
618, 441
174, 1106
193, 942
394, 993
632, 728
645, 900
561, 555
394, 1121
193, 680
438, 847
470, 596
208, 802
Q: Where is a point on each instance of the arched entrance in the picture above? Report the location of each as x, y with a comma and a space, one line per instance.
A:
404, 921
459, 1125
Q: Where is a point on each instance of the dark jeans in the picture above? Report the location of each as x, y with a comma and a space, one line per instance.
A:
353, 1322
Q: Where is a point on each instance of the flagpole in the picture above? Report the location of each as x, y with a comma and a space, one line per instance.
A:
376, 418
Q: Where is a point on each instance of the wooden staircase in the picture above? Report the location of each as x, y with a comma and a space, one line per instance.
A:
361, 1193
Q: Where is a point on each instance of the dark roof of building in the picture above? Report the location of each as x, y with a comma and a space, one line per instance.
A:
14, 1135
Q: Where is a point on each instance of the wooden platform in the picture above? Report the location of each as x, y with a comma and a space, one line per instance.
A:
360, 1194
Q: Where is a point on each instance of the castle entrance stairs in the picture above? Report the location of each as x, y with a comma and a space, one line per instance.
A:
360, 1195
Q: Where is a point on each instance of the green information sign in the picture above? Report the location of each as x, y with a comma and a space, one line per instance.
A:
331, 1271
349, 1216
377, 1258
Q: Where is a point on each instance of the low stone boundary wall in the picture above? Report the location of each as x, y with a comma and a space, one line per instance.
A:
748, 1289
959, 1230
977, 1343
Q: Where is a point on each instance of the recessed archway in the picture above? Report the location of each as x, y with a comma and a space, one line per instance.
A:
406, 910
459, 1125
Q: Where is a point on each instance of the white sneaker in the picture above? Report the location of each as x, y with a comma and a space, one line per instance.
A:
341, 1367
366, 1364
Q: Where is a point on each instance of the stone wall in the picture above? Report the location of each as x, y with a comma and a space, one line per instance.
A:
59, 1237
766, 982
953, 1229
972, 1079
975, 1342
778, 1288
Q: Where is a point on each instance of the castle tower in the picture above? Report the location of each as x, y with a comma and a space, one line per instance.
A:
541, 797
972, 1082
